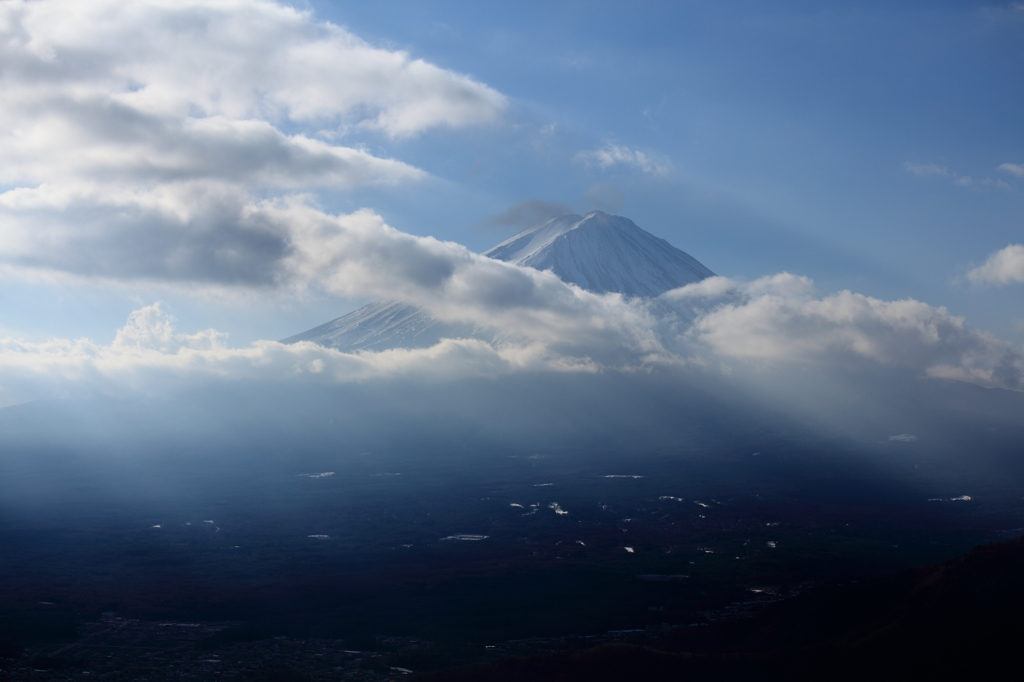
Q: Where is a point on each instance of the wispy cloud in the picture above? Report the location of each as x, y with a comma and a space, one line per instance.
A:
613, 155
1014, 168
904, 438
934, 170
527, 213
967, 181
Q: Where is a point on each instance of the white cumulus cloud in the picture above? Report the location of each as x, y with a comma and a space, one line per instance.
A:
781, 319
1002, 267
137, 136
148, 356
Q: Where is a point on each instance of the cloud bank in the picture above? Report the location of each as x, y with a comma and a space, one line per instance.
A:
776, 323
150, 357
142, 140
779, 318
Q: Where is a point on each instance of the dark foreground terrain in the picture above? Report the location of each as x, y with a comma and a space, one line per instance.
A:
960, 619
257, 549
963, 619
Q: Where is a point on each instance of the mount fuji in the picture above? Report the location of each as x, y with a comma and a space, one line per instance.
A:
598, 252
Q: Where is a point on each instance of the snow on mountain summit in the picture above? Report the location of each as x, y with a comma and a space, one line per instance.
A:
602, 253
598, 252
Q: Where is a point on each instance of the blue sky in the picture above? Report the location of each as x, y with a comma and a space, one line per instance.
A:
870, 147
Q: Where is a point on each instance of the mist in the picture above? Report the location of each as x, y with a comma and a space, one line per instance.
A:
690, 412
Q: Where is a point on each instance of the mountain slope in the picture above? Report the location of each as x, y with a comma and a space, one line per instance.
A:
385, 324
597, 252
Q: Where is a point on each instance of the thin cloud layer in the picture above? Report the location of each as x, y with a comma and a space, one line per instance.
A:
1002, 267
934, 170
526, 214
137, 136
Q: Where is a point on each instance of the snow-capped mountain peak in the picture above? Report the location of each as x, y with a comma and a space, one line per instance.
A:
533, 239
602, 253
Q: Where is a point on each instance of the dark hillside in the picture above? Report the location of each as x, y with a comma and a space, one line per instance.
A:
964, 618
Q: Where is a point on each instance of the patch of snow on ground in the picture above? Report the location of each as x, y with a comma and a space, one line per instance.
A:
466, 537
